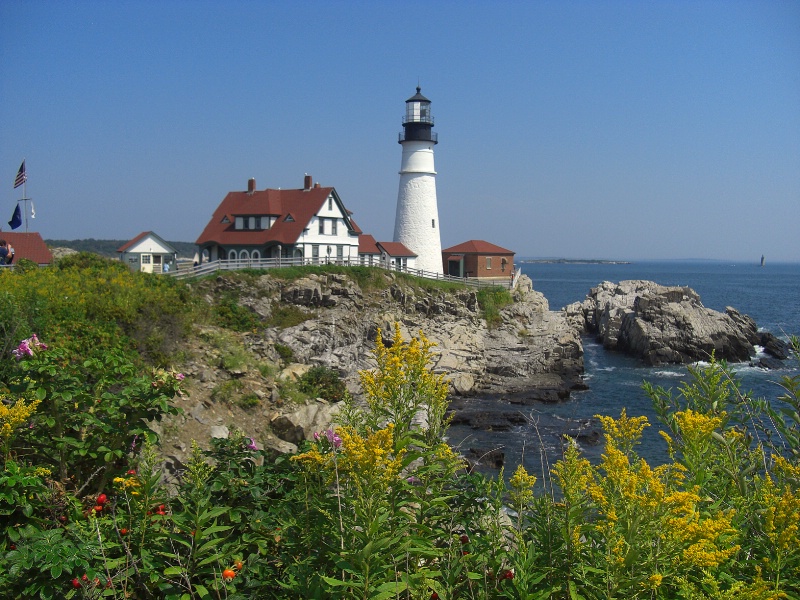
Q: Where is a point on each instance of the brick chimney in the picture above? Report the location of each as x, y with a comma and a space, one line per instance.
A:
251, 185
307, 182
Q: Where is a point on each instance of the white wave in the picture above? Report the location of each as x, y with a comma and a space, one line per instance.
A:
668, 374
760, 351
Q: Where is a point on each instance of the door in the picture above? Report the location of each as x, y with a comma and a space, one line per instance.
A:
147, 263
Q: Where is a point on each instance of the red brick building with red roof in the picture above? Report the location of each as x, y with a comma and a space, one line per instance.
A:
28, 245
479, 259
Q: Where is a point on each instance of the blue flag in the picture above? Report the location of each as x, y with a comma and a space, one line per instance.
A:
16, 218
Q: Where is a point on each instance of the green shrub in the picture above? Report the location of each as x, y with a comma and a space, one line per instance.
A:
492, 300
285, 352
288, 315
232, 315
322, 382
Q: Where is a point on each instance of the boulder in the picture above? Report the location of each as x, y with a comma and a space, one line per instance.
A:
303, 422
773, 345
664, 324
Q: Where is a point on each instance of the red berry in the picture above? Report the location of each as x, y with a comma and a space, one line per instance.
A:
434, 596
98, 508
123, 531
102, 499
13, 547
228, 574
63, 518
85, 577
76, 583
465, 539
131, 472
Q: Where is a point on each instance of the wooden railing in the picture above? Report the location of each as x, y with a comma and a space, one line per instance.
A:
208, 268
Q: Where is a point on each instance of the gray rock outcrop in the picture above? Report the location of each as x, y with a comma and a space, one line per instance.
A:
529, 340
663, 324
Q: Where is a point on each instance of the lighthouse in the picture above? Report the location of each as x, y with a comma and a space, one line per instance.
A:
416, 223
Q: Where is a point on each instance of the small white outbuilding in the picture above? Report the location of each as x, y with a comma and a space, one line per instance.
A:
148, 253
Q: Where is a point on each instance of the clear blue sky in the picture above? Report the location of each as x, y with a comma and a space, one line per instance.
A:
620, 130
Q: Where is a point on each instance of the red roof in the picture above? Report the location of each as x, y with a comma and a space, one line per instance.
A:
395, 249
294, 210
133, 241
28, 245
367, 244
477, 247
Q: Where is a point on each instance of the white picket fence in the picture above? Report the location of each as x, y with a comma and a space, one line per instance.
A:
190, 272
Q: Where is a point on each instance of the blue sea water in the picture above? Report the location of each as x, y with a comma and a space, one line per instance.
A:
769, 294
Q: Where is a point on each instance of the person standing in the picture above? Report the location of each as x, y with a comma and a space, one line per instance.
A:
6, 253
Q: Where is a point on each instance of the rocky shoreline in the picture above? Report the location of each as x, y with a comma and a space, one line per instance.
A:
531, 356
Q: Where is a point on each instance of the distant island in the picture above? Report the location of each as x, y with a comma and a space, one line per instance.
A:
572, 261
109, 247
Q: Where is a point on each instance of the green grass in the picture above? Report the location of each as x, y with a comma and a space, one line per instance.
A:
492, 300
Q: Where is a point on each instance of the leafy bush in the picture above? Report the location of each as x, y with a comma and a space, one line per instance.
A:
380, 506
322, 382
285, 352
232, 315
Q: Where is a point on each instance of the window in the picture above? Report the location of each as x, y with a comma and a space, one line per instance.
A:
488, 263
315, 251
145, 259
330, 202
255, 255
232, 255
339, 252
433, 223
334, 223
251, 222
239, 223
244, 254
321, 226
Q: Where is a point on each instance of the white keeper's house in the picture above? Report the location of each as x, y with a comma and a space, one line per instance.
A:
310, 223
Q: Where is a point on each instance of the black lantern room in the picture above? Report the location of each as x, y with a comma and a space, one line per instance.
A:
418, 121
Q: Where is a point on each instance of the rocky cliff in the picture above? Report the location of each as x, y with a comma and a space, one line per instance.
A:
529, 350
528, 342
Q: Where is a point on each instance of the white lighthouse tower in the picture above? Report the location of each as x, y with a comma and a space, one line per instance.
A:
416, 223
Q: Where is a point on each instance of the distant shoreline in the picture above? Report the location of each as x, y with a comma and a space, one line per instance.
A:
571, 261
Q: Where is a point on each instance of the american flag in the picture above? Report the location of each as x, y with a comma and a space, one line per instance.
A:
21, 176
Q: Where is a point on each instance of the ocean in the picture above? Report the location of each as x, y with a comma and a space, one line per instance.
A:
769, 294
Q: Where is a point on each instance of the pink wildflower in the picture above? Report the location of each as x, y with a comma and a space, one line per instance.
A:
27, 347
334, 439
